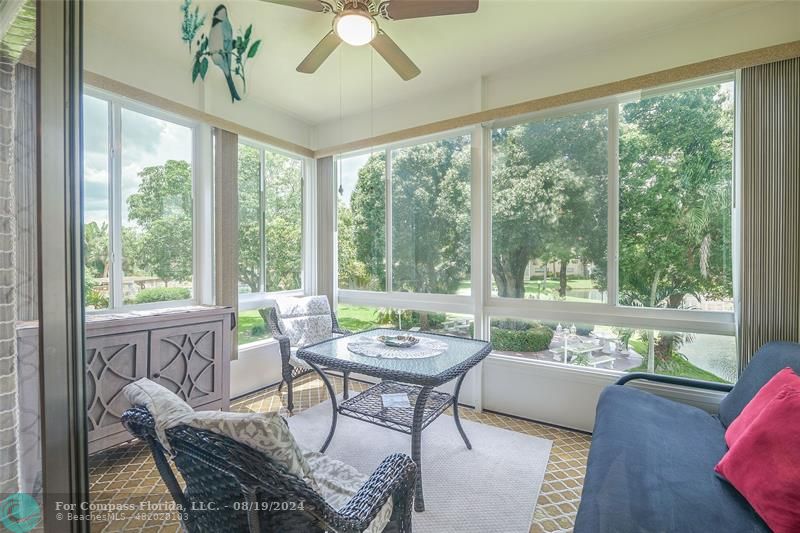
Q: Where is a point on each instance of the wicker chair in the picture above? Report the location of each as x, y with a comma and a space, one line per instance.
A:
232, 487
290, 372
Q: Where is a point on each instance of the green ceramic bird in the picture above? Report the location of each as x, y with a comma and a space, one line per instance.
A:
220, 42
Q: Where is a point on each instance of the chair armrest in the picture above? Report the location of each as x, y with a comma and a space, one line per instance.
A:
674, 380
394, 477
342, 331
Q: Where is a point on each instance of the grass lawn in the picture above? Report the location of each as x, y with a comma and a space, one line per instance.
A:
548, 288
251, 327
356, 317
679, 366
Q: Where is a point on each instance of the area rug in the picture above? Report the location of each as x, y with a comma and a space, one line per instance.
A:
491, 488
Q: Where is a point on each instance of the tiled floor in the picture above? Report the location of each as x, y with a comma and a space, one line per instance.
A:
126, 474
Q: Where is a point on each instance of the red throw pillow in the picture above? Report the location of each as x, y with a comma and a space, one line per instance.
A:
764, 463
785, 377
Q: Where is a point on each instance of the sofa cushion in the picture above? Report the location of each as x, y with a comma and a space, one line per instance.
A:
768, 361
764, 466
784, 378
304, 320
338, 482
651, 469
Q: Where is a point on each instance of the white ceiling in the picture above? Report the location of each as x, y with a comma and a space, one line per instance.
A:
450, 50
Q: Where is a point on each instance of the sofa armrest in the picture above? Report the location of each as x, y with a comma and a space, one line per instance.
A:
394, 478
674, 380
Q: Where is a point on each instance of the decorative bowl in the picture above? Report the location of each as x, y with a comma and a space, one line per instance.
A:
398, 341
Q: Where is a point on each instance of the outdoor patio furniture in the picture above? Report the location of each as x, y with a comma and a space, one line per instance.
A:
292, 367
232, 487
413, 377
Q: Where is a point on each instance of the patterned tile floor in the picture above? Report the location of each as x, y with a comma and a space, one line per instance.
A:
126, 474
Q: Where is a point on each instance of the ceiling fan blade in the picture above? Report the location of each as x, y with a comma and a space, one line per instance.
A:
393, 55
319, 54
412, 9
309, 5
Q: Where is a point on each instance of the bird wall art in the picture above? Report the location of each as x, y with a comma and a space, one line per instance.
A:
227, 51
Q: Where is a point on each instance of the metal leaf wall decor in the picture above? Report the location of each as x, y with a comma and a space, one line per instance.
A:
219, 45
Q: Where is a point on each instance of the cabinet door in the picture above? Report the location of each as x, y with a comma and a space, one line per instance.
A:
112, 361
188, 361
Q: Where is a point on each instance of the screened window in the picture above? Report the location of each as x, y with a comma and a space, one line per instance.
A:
361, 226
270, 233
676, 176
431, 219
270, 220
550, 209
139, 211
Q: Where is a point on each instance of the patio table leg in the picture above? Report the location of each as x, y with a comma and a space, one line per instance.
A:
332, 394
416, 444
455, 410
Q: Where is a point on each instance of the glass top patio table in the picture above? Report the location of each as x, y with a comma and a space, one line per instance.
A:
460, 355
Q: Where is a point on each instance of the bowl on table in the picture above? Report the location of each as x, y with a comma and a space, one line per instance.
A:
398, 341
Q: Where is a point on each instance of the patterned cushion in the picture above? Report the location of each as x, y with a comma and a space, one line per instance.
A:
163, 404
338, 482
304, 320
267, 433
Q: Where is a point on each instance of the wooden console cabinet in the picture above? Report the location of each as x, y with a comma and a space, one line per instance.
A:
186, 349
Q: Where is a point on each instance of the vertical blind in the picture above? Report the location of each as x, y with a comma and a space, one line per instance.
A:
770, 178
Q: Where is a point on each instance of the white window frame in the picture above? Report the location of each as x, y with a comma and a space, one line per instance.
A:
454, 303
481, 304
264, 298
201, 175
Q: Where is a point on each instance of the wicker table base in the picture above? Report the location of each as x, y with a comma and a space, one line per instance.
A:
426, 405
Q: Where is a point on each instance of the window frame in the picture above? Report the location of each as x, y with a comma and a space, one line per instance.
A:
200, 252
482, 304
265, 298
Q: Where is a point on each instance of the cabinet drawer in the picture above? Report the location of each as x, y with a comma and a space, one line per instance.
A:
112, 361
188, 361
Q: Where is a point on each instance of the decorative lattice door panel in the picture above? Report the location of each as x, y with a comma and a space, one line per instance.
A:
188, 361
112, 361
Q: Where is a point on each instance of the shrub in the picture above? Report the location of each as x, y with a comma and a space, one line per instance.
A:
162, 294
531, 338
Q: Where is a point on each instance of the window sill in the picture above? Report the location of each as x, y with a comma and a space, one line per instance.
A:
256, 345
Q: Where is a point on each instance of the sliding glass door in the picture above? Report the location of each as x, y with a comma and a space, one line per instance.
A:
42, 456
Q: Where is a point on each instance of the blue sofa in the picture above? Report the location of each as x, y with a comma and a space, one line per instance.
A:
651, 463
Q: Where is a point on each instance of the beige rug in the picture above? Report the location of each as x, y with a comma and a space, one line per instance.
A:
491, 488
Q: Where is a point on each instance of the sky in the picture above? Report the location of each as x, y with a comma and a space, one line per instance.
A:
146, 141
348, 174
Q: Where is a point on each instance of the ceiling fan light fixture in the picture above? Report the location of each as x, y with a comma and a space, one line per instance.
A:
355, 27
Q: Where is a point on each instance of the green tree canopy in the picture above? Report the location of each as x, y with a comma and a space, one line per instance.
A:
161, 208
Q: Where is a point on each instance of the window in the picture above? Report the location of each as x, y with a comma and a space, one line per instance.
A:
139, 208
361, 226
676, 176
550, 209
431, 207
359, 318
270, 233
694, 355
610, 230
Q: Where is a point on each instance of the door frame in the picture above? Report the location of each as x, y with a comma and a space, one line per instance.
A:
61, 372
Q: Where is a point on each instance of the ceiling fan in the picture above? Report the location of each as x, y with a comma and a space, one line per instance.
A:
355, 23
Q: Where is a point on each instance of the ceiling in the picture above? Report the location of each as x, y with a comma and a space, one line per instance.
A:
450, 50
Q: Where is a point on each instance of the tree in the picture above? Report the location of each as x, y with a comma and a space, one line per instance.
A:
549, 190
369, 220
95, 249
431, 216
281, 217
284, 216
675, 202
162, 211
250, 217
